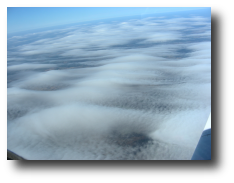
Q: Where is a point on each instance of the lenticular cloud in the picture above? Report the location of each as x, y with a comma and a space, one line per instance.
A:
133, 89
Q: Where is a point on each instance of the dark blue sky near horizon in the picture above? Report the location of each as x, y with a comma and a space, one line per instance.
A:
135, 87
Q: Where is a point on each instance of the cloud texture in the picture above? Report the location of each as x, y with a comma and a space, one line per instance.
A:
133, 89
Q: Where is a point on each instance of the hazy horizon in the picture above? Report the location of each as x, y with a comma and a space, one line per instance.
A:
21, 14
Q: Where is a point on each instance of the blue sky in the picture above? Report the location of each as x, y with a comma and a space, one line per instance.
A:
27, 18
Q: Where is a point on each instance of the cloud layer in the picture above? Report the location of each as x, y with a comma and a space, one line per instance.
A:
133, 89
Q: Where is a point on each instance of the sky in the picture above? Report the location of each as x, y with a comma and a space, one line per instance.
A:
27, 18
79, 92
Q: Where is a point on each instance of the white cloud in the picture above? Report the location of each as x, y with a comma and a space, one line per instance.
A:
139, 76
28, 66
